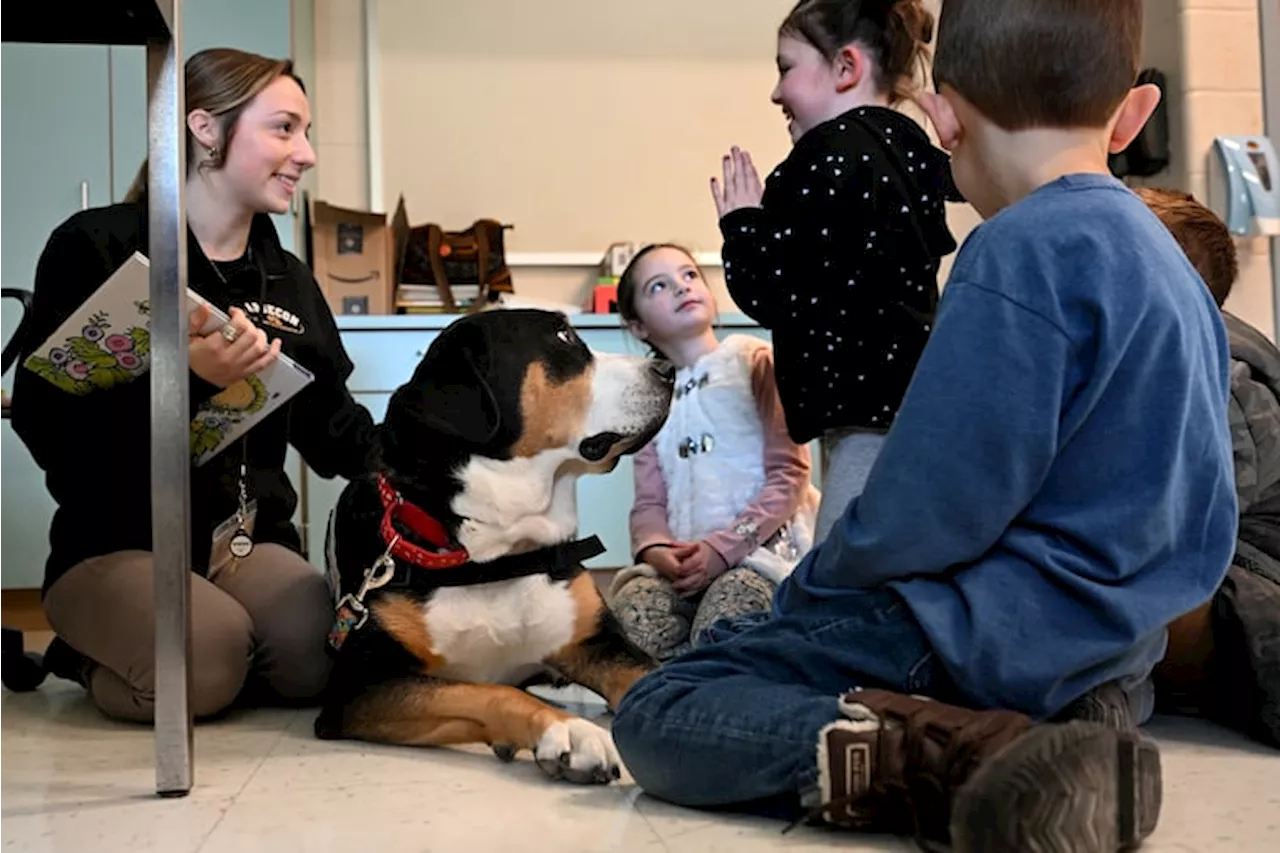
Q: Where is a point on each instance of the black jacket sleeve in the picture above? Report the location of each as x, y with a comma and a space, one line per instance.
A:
80, 255
335, 434
805, 239
53, 423
57, 426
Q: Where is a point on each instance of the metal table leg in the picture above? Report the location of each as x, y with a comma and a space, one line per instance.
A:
1269, 32
170, 413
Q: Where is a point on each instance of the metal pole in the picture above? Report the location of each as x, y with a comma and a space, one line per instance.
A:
1269, 31
170, 414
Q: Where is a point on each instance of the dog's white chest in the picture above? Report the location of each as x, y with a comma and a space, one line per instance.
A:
499, 632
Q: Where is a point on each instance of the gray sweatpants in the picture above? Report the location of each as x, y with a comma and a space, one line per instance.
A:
261, 627
665, 624
847, 457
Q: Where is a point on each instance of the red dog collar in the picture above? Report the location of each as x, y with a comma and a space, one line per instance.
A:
422, 525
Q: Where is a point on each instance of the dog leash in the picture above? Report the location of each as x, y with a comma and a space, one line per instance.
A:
352, 612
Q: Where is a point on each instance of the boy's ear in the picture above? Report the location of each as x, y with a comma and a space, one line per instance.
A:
851, 65
1132, 116
942, 116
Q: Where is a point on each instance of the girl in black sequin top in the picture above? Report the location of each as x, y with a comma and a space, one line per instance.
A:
838, 252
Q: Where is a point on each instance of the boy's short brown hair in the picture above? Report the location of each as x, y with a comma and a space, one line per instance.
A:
1040, 63
1204, 237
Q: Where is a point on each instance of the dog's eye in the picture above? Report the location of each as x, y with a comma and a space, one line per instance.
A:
567, 335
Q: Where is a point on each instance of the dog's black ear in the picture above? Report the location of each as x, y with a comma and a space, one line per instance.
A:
449, 394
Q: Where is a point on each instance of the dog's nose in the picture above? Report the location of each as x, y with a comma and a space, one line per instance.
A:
664, 370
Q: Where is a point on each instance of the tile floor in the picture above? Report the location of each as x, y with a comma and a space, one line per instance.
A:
73, 781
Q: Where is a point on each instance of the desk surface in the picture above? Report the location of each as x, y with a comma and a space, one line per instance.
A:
411, 322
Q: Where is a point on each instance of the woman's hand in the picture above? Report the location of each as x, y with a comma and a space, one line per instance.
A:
229, 353
741, 184
700, 564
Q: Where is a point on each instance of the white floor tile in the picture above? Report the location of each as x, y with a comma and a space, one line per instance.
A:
58, 751
509, 813
142, 823
688, 831
73, 781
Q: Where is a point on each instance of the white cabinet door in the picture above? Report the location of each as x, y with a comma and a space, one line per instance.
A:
56, 142
321, 494
56, 161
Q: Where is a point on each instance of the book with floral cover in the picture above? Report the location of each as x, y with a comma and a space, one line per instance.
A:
106, 342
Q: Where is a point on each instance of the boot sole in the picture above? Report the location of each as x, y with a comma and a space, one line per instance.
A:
1071, 788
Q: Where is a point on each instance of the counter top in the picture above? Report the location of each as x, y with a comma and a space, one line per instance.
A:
412, 322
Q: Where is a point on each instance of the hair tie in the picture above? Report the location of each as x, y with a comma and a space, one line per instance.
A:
877, 10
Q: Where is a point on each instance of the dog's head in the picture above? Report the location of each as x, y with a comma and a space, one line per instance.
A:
504, 410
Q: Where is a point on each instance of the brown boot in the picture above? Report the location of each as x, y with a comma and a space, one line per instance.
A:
989, 781
1106, 705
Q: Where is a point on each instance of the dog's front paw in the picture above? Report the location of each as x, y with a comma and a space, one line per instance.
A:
578, 751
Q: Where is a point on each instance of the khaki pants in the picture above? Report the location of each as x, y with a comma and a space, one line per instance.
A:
260, 630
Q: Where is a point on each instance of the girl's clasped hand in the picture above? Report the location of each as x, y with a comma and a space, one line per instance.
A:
690, 566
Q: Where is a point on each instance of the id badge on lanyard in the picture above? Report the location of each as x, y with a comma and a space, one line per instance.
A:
233, 538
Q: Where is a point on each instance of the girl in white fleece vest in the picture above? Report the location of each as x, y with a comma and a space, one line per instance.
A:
724, 506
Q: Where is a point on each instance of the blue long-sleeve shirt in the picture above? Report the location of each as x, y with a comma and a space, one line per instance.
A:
1058, 485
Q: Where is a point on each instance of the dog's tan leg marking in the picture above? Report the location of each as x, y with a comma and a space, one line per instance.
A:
403, 620
588, 605
610, 675
420, 712
611, 679
552, 412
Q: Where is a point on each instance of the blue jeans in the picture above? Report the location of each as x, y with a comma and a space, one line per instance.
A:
734, 723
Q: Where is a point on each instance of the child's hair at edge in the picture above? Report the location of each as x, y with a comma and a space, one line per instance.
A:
895, 33
1002, 56
1204, 237
223, 81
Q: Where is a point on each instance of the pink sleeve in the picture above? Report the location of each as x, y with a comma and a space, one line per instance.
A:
786, 466
649, 511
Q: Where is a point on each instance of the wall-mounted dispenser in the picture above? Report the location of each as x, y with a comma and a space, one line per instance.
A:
1244, 185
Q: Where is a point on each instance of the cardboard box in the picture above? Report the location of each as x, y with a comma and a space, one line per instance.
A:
359, 259
353, 259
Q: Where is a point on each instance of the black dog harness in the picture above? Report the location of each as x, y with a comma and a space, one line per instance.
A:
426, 570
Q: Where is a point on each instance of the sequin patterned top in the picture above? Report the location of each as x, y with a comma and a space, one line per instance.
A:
841, 263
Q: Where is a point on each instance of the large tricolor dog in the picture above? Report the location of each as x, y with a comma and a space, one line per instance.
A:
456, 566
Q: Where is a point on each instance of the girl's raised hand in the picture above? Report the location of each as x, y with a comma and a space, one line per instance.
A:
741, 187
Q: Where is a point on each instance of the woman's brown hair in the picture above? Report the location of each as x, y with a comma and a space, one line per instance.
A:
895, 34
222, 81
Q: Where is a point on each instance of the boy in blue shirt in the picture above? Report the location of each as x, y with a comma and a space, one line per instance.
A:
1057, 488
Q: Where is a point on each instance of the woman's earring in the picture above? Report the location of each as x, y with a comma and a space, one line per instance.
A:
213, 152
